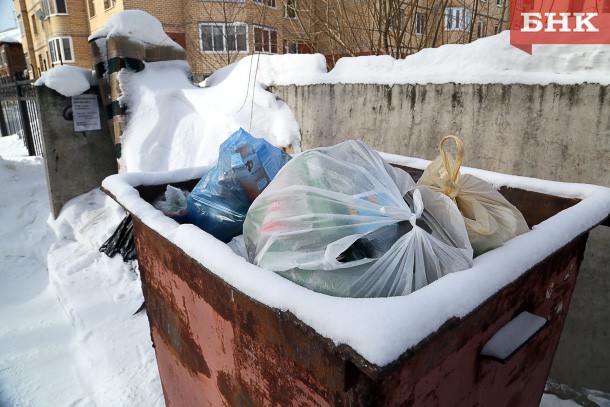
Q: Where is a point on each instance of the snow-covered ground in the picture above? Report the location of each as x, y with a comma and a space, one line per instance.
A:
68, 336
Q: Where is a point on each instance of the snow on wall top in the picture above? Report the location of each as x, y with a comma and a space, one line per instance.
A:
138, 25
67, 80
12, 36
487, 60
379, 329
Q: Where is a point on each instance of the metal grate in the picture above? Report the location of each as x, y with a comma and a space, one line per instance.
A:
19, 113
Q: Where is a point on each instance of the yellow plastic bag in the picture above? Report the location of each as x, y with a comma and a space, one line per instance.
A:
490, 219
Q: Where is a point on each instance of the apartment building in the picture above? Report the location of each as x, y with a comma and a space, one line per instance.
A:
217, 33
54, 33
12, 60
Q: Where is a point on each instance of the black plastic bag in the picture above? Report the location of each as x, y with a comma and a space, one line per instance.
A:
121, 241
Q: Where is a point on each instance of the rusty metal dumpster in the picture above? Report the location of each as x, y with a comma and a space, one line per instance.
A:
224, 336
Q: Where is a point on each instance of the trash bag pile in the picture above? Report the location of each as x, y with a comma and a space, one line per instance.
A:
341, 221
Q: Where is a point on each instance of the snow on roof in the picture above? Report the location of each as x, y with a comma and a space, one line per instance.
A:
67, 80
487, 60
12, 36
138, 25
379, 329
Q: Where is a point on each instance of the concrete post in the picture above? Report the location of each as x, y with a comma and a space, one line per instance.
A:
75, 162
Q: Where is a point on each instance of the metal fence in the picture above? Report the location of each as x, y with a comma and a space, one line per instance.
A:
20, 113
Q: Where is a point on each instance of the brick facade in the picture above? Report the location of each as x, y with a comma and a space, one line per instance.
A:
12, 60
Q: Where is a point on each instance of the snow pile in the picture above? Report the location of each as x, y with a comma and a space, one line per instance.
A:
138, 25
67, 335
13, 146
68, 80
12, 36
379, 329
175, 124
487, 60
270, 70
100, 294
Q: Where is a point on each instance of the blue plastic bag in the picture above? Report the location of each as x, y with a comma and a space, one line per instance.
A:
219, 202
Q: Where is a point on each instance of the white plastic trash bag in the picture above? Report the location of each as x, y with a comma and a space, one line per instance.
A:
335, 221
490, 219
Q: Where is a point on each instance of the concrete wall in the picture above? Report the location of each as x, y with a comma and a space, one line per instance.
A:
552, 132
75, 162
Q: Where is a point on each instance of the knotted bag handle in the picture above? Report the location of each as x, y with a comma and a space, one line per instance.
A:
452, 172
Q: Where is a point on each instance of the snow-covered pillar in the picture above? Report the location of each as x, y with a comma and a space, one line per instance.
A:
128, 40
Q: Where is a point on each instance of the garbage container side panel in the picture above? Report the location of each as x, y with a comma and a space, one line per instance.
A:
447, 369
216, 346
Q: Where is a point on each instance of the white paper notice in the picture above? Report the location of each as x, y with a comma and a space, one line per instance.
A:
86, 113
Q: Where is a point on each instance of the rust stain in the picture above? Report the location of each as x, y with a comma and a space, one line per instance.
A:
176, 333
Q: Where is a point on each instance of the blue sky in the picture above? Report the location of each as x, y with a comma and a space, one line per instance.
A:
7, 18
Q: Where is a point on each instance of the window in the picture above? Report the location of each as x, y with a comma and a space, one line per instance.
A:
51, 7
499, 3
224, 37
60, 7
268, 3
21, 23
108, 4
480, 29
3, 59
496, 28
457, 18
290, 8
91, 8
60, 50
34, 26
420, 23
291, 47
265, 40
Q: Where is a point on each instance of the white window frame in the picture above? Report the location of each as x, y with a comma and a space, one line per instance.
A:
111, 3
266, 3
48, 12
422, 26
269, 30
458, 19
224, 37
498, 3
294, 7
53, 51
